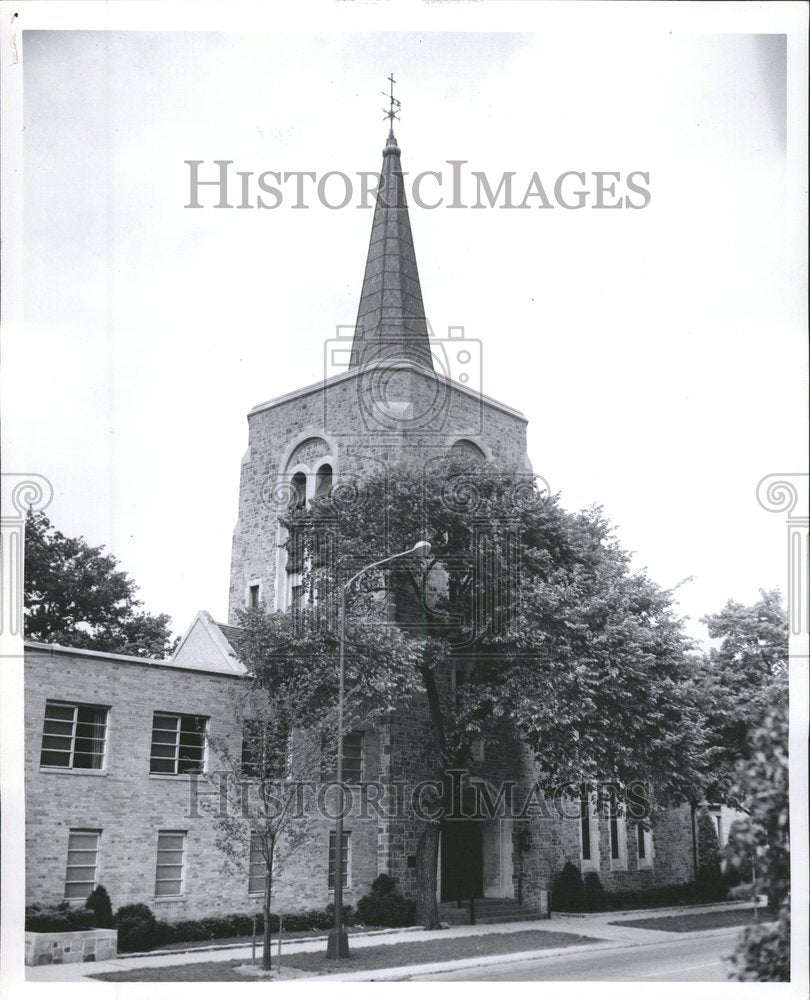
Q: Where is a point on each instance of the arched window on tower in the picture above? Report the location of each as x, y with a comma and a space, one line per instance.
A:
295, 542
298, 490
323, 481
467, 452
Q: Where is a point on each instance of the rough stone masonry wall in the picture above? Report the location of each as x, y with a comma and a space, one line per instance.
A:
339, 422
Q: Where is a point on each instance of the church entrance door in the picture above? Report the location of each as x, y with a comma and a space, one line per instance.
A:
462, 859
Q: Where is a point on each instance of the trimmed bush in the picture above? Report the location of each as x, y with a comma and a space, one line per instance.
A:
99, 902
348, 916
680, 894
62, 917
137, 928
568, 891
384, 906
708, 848
595, 897
383, 884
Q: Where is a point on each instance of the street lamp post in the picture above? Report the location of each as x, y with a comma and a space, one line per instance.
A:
338, 943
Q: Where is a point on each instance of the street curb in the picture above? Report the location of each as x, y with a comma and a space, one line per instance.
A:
434, 968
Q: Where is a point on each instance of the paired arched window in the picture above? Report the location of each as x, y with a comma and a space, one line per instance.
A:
323, 481
298, 490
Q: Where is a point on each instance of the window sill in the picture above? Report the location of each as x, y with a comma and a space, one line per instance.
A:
97, 773
176, 777
589, 864
167, 899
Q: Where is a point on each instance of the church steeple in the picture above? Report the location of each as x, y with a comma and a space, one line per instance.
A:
391, 316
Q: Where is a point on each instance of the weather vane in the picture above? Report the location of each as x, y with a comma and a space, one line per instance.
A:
392, 112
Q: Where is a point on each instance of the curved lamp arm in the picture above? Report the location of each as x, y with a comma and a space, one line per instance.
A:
421, 548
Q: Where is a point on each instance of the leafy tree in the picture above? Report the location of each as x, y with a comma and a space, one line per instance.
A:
254, 798
526, 623
743, 680
76, 595
763, 952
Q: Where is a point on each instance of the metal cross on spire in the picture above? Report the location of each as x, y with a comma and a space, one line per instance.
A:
392, 112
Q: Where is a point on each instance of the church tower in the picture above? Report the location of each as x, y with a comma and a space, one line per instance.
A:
399, 394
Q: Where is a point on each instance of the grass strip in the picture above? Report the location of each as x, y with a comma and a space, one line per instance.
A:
681, 923
387, 956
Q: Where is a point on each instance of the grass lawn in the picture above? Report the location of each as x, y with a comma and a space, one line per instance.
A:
375, 957
683, 922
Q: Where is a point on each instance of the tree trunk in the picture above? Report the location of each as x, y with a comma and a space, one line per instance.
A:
427, 862
267, 944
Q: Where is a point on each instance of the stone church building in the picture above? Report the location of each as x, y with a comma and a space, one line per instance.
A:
112, 741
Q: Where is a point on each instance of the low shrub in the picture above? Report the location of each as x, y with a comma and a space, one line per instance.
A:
595, 896
383, 906
137, 928
62, 917
99, 902
679, 894
349, 918
568, 891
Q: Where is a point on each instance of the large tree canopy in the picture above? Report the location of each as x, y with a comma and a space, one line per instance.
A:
744, 679
76, 595
526, 622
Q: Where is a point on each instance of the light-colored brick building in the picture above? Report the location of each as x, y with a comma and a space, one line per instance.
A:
111, 740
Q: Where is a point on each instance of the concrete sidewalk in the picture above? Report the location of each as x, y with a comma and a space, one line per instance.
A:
404, 972
596, 925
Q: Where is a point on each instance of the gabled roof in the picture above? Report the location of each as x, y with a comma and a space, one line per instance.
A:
209, 645
391, 322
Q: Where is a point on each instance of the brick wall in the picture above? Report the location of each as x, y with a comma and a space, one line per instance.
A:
130, 806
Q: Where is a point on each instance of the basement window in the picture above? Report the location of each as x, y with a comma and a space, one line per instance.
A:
82, 863
346, 859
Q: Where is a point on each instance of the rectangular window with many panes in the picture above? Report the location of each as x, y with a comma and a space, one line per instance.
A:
346, 859
170, 871
81, 876
178, 744
74, 736
257, 871
352, 759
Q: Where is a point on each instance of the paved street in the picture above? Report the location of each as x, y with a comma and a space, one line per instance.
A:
694, 960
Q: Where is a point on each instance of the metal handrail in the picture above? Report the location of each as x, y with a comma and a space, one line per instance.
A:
536, 882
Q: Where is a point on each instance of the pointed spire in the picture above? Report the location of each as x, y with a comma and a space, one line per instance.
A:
391, 317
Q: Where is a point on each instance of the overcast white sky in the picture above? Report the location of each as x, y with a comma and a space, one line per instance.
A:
659, 355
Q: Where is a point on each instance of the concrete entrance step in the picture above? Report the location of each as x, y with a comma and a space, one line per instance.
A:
488, 911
